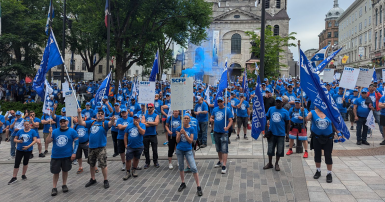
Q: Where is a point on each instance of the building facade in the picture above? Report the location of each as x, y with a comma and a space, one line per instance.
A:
377, 52
227, 38
355, 34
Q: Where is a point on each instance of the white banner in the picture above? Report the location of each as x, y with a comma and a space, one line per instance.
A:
146, 92
65, 88
370, 121
328, 75
88, 76
71, 105
164, 77
383, 74
182, 93
349, 78
365, 77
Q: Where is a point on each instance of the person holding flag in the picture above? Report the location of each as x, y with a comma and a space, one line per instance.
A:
243, 114
201, 111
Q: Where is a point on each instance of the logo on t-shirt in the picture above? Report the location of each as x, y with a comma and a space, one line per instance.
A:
363, 105
134, 132
373, 98
150, 119
291, 98
81, 132
156, 104
243, 106
347, 93
94, 129
175, 124
125, 123
276, 117
321, 123
25, 137
87, 115
132, 108
183, 138
296, 115
232, 102
219, 116
199, 109
339, 100
61, 141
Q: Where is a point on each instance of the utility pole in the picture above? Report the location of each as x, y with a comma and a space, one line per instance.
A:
262, 55
64, 45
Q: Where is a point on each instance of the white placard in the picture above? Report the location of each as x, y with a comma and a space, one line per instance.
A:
146, 92
65, 88
370, 121
164, 77
337, 76
71, 105
212, 80
361, 51
349, 78
328, 75
182, 93
88, 76
365, 77
383, 74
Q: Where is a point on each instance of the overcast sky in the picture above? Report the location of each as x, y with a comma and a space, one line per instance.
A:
308, 20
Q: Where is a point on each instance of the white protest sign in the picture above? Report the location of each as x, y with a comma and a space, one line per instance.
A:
164, 77
181, 93
328, 75
349, 78
88, 76
65, 88
337, 76
212, 81
71, 105
383, 74
365, 77
146, 92
370, 121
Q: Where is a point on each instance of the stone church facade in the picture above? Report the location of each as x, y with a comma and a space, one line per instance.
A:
227, 38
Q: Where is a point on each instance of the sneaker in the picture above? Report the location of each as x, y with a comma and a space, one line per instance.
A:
128, 175
219, 164
329, 178
41, 155
157, 165
79, 171
54, 192
91, 182
6, 139
46, 152
134, 173
11, 158
359, 143
64, 188
187, 170
245, 138
31, 157
237, 138
177, 164
223, 170
305, 155
23, 177
317, 174
170, 166
383, 142
106, 184
199, 191
123, 167
289, 152
13, 180
181, 187
203, 146
114, 155
138, 168
75, 162
165, 143
267, 166
351, 128
146, 166
365, 142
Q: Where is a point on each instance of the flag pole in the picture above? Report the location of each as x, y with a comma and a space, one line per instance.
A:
108, 36
298, 147
50, 28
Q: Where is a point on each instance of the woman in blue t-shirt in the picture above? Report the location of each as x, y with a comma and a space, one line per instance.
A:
184, 138
172, 123
322, 133
25, 139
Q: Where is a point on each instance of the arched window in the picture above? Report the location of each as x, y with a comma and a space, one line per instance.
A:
276, 30
236, 44
278, 3
267, 4
380, 14
330, 24
235, 66
376, 16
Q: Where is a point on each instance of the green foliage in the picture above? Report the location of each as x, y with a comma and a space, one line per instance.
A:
273, 50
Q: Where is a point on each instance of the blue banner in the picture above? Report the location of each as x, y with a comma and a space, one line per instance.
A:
319, 95
155, 68
245, 86
374, 74
103, 89
324, 63
259, 116
222, 85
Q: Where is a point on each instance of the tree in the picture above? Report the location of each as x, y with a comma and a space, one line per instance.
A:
274, 50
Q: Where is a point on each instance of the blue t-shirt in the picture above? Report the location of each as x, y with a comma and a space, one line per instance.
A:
321, 126
17, 124
134, 138
27, 139
117, 115
47, 117
62, 143
98, 134
183, 144
294, 113
83, 133
194, 123
57, 120
124, 122
219, 118
234, 102
291, 97
382, 100
157, 105
152, 129
340, 104
174, 123
2, 119
278, 117
372, 96
352, 98
36, 120
202, 107
88, 114
362, 109
135, 108
242, 111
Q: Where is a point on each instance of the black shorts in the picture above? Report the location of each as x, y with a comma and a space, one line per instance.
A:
121, 147
382, 120
242, 121
62, 164
83, 147
351, 115
133, 153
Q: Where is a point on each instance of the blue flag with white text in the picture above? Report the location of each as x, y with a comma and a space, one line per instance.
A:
222, 85
155, 68
324, 63
259, 117
245, 86
103, 89
320, 55
319, 95
48, 18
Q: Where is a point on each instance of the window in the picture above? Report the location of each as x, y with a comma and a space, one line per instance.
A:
276, 30
236, 44
84, 68
365, 23
360, 39
278, 3
72, 66
129, 72
379, 41
376, 16
330, 24
100, 69
336, 34
375, 41
336, 24
380, 14
329, 42
237, 16
267, 4
370, 18
329, 35
137, 72
365, 7
370, 35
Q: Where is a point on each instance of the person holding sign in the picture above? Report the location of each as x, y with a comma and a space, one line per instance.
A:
172, 123
362, 107
221, 128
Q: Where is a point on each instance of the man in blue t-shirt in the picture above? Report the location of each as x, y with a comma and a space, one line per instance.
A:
201, 111
133, 141
121, 125
243, 114
150, 120
62, 152
352, 97
362, 107
47, 122
381, 105
279, 126
97, 143
221, 128
340, 101
35, 124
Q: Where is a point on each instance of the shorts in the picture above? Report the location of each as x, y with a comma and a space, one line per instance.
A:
62, 164
382, 120
45, 135
221, 142
273, 142
351, 115
97, 154
83, 147
121, 147
294, 132
133, 153
164, 120
242, 121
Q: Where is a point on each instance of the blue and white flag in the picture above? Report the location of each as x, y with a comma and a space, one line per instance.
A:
245, 86
95, 59
374, 74
48, 18
319, 95
259, 116
320, 55
207, 94
48, 92
324, 63
222, 85
155, 68
133, 90
256, 68
103, 89
120, 86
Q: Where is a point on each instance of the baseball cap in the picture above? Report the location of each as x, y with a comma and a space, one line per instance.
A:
365, 90
278, 99
63, 118
29, 96
265, 79
168, 94
88, 104
150, 105
116, 104
136, 116
297, 100
355, 90
267, 90
220, 98
18, 113
105, 97
123, 109
63, 109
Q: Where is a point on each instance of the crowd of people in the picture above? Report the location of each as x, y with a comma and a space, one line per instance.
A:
134, 126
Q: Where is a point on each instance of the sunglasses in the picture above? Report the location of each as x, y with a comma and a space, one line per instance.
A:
363, 92
149, 107
100, 113
219, 101
186, 118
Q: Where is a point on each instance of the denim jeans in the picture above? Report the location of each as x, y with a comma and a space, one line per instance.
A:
344, 116
13, 146
221, 142
377, 115
190, 159
362, 135
202, 135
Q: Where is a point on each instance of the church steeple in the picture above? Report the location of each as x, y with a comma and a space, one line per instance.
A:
335, 4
